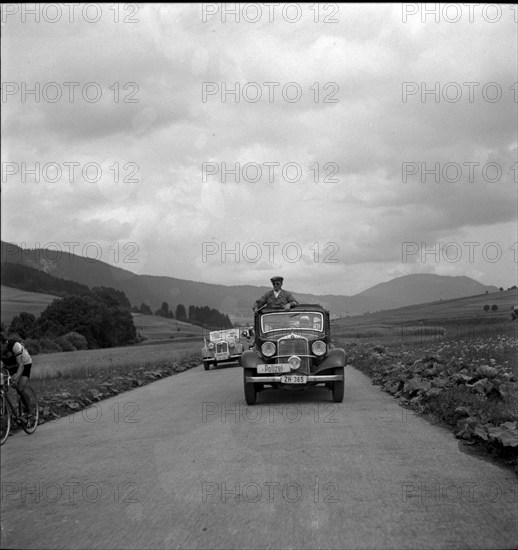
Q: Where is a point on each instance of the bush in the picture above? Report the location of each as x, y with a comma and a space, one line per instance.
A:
77, 340
65, 344
33, 346
49, 346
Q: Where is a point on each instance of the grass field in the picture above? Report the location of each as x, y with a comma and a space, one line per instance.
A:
462, 317
14, 301
81, 364
155, 328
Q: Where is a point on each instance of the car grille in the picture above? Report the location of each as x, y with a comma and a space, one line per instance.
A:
294, 346
222, 347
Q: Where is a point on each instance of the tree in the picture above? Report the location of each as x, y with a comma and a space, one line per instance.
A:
164, 311
192, 313
209, 318
145, 309
24, 325
494, 307
111, 296
95, 316
486, 308
181, 313
501, 289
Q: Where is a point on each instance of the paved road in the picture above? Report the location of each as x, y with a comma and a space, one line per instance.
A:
184, 463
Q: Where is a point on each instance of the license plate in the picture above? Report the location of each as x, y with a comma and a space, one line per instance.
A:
222, 355
273, 368
293, 379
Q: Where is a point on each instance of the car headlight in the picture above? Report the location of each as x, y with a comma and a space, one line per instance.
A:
318, 348
294, 362
268, 349
211, 346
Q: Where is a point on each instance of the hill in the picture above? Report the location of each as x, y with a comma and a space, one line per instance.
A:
234, 300
158, 329
422, 288
456, 317
14, 301
30, 279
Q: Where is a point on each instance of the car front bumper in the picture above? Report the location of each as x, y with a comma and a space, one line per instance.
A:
309, 378
223, 359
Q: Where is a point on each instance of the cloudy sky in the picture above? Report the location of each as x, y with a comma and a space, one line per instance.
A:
337, 145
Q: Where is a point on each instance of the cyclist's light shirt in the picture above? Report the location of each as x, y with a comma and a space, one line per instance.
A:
18, 349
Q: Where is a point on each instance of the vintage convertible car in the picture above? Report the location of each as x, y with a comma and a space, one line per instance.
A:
293, 350
223, 346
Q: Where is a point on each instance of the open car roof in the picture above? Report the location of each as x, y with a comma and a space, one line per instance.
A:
227, 334
297, 308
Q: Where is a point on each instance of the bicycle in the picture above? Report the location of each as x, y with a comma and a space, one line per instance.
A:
8, 412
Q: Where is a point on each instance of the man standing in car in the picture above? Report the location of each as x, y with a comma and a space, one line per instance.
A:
276, 298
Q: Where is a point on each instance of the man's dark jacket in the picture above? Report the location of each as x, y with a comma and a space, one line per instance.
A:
269, 298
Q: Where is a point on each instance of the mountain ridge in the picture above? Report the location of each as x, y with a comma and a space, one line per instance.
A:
238, 299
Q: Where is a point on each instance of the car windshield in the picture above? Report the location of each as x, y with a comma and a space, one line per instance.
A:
313, 321
229, 334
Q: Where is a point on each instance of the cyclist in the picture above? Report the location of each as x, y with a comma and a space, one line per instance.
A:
17, 360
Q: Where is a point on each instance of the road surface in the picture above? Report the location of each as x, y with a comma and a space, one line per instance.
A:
184, 463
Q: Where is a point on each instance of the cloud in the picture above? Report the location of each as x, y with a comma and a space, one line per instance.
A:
179, 169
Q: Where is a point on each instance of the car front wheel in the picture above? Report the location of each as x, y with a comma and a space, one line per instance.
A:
206, 365
338, 387
250, 389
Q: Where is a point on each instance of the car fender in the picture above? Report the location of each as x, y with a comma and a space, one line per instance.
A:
250, 359
335, 358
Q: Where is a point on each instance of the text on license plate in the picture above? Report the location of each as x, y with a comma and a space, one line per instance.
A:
221, 355
273, 368
293, 379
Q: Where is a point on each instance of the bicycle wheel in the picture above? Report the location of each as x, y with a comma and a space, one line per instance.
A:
28, 421
5, 420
